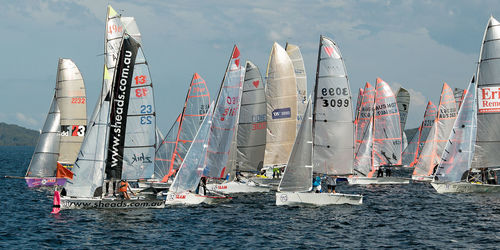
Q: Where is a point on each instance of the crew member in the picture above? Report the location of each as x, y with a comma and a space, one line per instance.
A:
124, 187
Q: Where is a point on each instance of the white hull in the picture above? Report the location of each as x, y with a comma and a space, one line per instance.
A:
109, 203
238, 187
188, 198
318, 199
422, 178
377, 180
464, 187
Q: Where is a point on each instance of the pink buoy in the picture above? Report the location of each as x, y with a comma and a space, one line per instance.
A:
56, 207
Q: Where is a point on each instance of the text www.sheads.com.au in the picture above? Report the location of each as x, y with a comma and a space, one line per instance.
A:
122, 204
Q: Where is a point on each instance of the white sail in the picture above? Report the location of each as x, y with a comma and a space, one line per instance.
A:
72, 102
301, 79
251, 139
403, 101
191, 169
387, 142
487, 146
281, 97
299, 170
431, 153
224, 127
459, 150
333, 113
44, 160
363, 163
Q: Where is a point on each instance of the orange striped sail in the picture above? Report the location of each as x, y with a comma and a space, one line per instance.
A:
387, 143
431, 153
181, 135
364, 130
358, 103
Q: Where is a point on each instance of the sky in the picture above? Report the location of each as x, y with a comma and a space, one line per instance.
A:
415, 44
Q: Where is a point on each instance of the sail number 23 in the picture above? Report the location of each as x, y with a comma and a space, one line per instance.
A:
146, 109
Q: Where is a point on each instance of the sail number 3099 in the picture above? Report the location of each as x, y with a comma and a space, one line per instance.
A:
335, 92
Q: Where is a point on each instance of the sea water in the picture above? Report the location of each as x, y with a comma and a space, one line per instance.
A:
400, 216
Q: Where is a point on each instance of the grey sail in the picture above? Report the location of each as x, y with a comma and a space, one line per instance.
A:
298, 172
72, 102
487, 147
459, 150
459, 96
301, 78
403, 100
251, 137
44, 160
333, 113
281, 97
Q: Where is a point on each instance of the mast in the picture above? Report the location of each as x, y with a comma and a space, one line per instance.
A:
333, 113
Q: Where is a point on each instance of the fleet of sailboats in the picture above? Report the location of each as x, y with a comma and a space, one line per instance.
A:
218, 148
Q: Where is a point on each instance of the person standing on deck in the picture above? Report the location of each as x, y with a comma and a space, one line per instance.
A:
124, 187
317, 184
331, 182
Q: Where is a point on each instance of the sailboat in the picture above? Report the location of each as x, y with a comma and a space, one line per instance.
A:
208, 156
414, 148
379, 132
471, 157
430, 156
315, 149
251, 138
281, 97
175, 145
63, 131
293, 52
127, 144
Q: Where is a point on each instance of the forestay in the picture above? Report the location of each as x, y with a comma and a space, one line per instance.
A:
487, 146
364, 134
299, 170
387, 143
431, 153
71, 100
301, 79
281, 97
44, 160
225, 117
333, 113
251, 137
459, 150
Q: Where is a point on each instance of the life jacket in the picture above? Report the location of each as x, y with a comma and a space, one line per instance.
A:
123, 186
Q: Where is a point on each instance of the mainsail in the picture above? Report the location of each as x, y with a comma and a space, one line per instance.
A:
431, 153
333, 113
281, 97
487, 146
358, 103
459, 150
251, 138
72, 102
44, 160
181, 135
459, 96
301, 78
412, 151
364, 134
403, 101
223, 127
299, 170
387, 143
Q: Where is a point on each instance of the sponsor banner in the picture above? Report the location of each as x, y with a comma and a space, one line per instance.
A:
488, 100
282, 113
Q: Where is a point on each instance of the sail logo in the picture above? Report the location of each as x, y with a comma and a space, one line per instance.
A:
282, 113
141, 158
488, 100
331, 52
385, 109
256, 83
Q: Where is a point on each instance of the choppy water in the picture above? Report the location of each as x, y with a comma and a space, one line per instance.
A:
405, 216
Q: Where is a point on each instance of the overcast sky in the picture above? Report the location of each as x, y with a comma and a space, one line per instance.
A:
415, 44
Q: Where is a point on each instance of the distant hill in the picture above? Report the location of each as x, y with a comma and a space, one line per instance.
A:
13, 135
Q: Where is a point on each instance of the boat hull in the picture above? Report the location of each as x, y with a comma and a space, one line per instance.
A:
422, 178
464, 187
317, 199
238, 187
111, 203
34, 182
378, 181
193, 199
